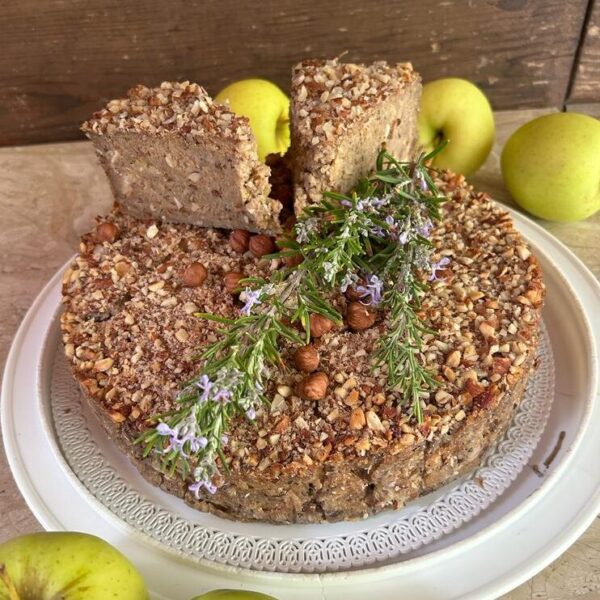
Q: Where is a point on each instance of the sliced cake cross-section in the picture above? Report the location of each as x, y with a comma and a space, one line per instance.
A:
342, 115
173, 154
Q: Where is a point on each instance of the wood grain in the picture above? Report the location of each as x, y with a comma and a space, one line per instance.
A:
586, 84
62, 60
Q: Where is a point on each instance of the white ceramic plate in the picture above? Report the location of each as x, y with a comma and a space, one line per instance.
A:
530, 525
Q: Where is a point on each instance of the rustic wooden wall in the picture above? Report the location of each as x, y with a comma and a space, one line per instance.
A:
61, 60
586, 85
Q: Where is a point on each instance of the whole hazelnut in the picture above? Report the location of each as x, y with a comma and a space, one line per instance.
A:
261, 245
293, 261
107, 232
353, 294
239, 240
319, 325
306, 359
359, 316
232, 281
194, 275
314, 386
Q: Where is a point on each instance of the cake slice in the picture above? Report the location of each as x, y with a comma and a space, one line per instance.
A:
171, 153
342, 115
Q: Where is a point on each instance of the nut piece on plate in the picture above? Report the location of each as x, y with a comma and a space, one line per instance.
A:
314, 386
319, 325
239, 240
173, 154
107, 232
194, 275
232, 281
261, 245
306, 359
359, 316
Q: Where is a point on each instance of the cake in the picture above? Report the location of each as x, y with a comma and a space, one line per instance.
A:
171, 153
130, 336
342, 114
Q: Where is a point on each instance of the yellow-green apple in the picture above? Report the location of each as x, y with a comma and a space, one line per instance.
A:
233, 595
66, 565
268, 109
551, 166
457, 111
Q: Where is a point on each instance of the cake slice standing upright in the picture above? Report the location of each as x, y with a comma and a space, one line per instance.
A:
173, 154
342, 115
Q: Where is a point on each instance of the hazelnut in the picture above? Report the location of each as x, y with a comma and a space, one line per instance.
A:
306, 359
261, 245
314, 386
194, 275
293, 261
353, 295
232, 281
107, 232
239, 240
359, 316
319, 325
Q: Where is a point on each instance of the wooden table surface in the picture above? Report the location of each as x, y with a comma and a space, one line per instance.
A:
49, 195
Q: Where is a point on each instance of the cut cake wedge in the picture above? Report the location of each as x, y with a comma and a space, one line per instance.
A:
173, 154
342, 115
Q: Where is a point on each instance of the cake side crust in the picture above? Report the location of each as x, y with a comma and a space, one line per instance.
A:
171, 153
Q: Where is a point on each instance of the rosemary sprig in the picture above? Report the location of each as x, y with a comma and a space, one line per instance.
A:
375, 240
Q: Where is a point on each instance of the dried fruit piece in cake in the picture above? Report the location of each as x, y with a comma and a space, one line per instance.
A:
342, 114
171, 153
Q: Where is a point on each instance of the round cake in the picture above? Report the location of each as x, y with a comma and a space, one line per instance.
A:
131, 336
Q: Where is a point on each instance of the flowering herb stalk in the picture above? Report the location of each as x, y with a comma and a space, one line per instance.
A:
374, 240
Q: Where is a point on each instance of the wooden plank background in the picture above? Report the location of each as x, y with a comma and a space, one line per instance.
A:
586, 85
62, 59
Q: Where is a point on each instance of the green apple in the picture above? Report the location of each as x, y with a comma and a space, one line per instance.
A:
551, 166
69, 566
457, 111
233, 595
268, 109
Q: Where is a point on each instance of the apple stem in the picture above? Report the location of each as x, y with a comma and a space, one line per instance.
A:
8, 582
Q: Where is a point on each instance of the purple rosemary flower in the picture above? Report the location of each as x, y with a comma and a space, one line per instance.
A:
204, 384
403, 237
371, 291
197, 443
252, 297
175, 442
251, 414
425, 229
223, 396
377, 231
422, 183
224, 439
208, 485
164, 429
437, 266
346, 203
